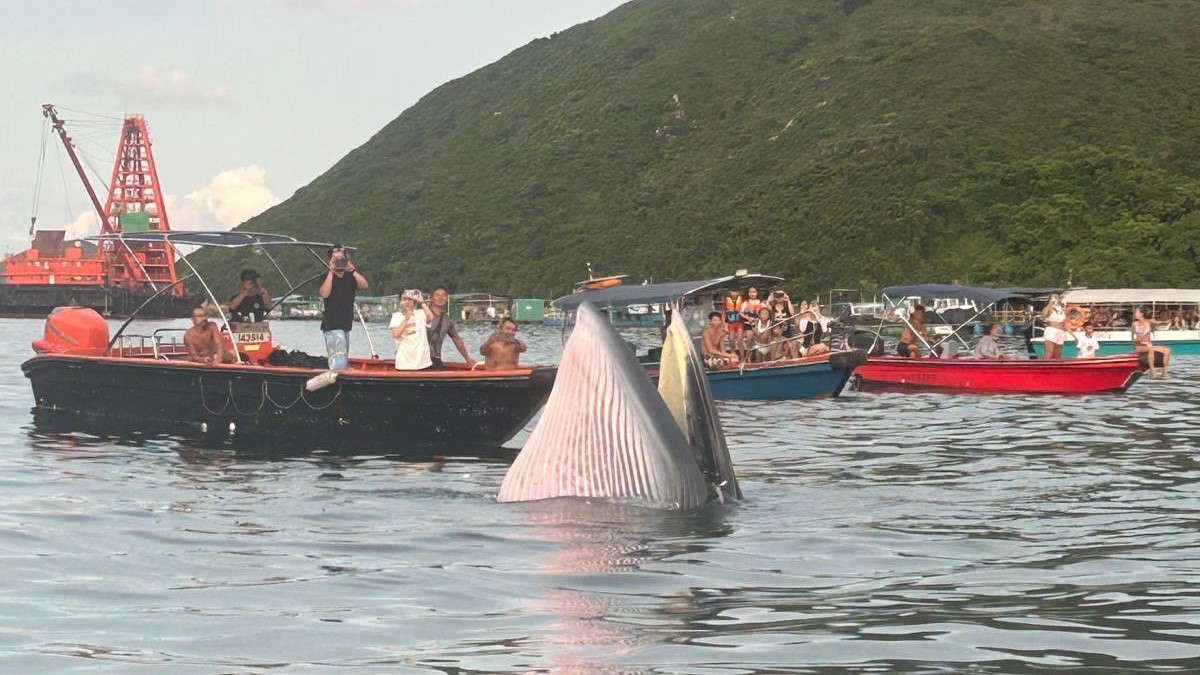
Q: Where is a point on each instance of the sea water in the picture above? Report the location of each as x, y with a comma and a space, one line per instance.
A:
924, 533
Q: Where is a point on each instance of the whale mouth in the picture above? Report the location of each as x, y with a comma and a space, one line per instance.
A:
607, 433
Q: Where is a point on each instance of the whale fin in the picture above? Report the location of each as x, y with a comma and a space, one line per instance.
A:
605, 431
683, 387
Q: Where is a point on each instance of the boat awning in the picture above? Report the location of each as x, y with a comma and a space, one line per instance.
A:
208, 238
953, 291
645, 294
1132, 296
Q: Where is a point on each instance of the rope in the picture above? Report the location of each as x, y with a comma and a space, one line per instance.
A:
331, 401
277, 404
261, 402
41, 171
204, 401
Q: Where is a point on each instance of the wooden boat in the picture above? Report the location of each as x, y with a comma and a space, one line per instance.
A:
1019, 376
814, 377
1087, 303
147, 381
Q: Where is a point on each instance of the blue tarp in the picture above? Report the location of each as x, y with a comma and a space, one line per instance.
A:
953, 291
645, 294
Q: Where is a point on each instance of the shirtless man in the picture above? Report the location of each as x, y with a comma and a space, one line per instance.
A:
712, 343
908, 339
502, 350
203, 340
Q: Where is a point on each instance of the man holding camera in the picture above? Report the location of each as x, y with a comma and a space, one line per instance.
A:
341, 284
252, 302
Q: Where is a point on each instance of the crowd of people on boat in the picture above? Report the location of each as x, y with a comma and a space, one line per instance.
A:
753, 329
419, 327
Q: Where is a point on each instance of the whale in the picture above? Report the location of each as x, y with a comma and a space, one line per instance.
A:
607, 433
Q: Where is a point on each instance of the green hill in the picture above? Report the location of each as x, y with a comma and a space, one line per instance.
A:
832, 142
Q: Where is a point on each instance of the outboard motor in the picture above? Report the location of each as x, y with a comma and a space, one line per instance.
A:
868, 341
73, 330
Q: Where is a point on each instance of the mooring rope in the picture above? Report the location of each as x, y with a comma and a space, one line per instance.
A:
204, 401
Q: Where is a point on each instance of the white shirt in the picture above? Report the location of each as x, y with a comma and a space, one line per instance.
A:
1086, 346
412, 348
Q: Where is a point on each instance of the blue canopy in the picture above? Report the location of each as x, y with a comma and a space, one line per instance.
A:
645, 294
202, 238
953, 291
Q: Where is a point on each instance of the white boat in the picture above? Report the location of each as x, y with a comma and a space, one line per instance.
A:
1111, 312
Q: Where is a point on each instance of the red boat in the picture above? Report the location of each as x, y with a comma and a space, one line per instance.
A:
1022, 376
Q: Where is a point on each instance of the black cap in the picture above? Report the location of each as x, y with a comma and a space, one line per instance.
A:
249, 273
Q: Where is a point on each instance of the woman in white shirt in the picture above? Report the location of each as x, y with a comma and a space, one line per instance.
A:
408, 328
1055, 333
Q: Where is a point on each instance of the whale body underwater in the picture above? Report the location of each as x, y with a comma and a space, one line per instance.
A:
607, 433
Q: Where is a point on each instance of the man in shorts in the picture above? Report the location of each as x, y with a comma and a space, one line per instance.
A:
712, 343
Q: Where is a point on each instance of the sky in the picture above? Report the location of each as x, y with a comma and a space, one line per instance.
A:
245, 100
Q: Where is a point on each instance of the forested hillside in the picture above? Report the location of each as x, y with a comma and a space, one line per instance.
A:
847, 143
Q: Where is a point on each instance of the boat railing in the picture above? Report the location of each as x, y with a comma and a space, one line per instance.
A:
156, 345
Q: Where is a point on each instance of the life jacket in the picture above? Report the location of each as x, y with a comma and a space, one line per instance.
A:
733, 310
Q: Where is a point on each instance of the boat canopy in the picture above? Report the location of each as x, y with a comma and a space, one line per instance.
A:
977, 293
1132, 296
645, 294
220, 239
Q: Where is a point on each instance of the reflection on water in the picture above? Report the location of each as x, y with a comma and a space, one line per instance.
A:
881, 533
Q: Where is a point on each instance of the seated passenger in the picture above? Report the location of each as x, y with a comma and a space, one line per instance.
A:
1143, 343
1087, 345
912, 329
502, 350
988, 347
252, 302
203, 341
408, 329
712, 343
762, 336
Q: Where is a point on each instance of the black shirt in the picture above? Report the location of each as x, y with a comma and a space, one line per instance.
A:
250, 309
339, 306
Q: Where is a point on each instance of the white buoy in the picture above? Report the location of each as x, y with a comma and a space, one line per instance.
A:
204, 427
321, 381
232, 427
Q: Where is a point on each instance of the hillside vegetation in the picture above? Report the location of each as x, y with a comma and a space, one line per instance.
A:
835, 143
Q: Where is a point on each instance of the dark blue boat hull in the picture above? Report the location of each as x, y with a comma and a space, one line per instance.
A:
807, 378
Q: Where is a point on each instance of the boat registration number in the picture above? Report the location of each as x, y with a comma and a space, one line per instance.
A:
253, 337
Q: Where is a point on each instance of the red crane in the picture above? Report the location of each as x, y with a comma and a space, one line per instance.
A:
134, 204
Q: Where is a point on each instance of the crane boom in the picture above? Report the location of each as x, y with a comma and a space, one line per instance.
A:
49, 111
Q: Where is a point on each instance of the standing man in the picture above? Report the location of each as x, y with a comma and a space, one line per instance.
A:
341, 284
441, 325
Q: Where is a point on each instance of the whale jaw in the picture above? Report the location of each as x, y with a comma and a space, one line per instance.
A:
606, 433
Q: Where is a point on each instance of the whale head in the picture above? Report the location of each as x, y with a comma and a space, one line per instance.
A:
607, 433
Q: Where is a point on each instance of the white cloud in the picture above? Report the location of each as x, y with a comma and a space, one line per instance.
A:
231, 198
153, 86
86, 223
